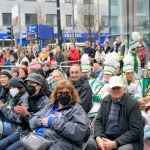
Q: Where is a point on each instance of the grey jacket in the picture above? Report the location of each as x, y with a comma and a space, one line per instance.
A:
69, 129
24, 129
13, 117
129, 121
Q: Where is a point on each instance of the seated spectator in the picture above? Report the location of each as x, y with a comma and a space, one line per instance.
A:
56, 77
5, 76
24, 64
82, 86
15, 72
30, 54
2, 58
22, 57
23, 73
12, 52
36, 102
62, 119
46, 70
43, 57
7, 62
98, 73
35, 64
118, 124
9, 119
12, 59
45, 85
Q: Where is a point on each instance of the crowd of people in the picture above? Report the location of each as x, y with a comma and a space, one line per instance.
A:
40, 95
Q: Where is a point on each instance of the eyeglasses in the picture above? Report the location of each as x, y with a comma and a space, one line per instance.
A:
63, 92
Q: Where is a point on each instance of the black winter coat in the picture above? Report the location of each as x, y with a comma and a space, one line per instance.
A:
129, 121
85, 92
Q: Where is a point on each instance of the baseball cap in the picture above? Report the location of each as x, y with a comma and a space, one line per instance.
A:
116, 81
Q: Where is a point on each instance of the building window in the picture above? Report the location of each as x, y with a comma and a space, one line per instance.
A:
50, 0
68, 20
51, 19
30, 19
88, 1
7, 19
89, 20
105, 22
68, 1
114, 2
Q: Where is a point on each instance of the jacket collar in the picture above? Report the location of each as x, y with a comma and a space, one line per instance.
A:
121, 102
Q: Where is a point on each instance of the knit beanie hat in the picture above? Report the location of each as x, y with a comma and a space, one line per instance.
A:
16, 82
6, 73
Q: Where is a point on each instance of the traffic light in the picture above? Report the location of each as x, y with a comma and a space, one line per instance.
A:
10, 32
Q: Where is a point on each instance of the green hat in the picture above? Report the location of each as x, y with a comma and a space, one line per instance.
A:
133, 44
37, 78
148, 65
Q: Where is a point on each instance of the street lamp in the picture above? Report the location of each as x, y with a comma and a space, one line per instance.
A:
98, 22
59, 25
73, 24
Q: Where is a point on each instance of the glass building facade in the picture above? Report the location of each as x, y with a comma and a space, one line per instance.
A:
126, 16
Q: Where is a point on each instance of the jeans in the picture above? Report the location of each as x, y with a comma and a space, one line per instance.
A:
7, 129
10, 141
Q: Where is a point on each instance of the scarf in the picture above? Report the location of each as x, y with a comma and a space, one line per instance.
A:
33, 101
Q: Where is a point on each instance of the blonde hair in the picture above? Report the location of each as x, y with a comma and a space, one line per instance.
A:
58, 72
97, 65
124, 77
68, 85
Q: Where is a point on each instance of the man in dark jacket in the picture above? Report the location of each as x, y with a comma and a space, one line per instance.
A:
37, 100
118, 124
88, 50
82, 86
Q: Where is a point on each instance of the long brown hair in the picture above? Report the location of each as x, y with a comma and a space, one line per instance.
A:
68, 85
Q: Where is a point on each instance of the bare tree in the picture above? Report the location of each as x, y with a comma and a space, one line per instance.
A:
87, 20
41, 18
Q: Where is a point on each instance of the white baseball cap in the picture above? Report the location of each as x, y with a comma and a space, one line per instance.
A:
116, 81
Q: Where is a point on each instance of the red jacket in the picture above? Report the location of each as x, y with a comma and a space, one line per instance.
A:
2, 61
74, 55
142, 55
